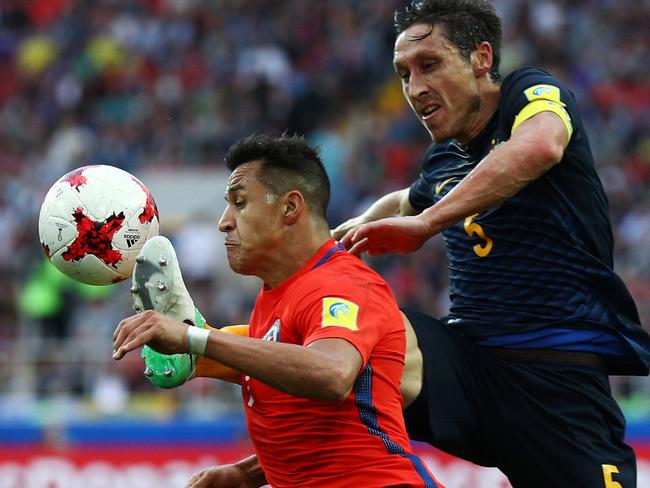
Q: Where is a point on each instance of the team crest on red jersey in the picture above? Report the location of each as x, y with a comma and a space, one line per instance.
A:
273, 334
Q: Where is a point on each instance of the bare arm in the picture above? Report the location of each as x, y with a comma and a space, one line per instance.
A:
534, 148
208, 368
325, 370
391, 205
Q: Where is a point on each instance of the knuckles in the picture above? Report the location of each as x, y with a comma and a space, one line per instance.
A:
149, 314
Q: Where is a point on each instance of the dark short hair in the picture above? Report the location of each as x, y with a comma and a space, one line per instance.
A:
288, 163
465, 23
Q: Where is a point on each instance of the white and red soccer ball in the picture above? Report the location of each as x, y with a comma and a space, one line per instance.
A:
94, 221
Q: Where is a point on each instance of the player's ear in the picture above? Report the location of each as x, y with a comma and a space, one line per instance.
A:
481, 59
293, 206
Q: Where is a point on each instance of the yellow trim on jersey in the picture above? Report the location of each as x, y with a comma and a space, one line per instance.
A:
340, 313
544, 105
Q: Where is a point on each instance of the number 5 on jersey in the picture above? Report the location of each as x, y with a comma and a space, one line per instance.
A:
473, 229
608, 471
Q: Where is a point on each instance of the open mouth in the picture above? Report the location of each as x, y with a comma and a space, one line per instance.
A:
428, 111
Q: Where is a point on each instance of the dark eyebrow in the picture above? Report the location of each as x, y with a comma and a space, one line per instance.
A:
233, 189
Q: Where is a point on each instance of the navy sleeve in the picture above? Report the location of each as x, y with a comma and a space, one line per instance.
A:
529, 84
420, 195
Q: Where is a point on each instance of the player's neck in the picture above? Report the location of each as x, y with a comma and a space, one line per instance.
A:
489, 102
298, 247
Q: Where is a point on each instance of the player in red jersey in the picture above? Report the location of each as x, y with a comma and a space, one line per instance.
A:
322, 364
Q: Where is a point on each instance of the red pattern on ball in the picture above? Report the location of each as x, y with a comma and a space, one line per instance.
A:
76, 177
95, 238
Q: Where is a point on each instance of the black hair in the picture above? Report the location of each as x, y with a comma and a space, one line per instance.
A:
465, 23
287, 163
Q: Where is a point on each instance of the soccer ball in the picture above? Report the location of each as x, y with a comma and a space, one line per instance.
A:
94, 221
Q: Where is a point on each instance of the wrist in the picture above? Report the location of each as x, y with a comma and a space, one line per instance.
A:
430, 228
197, 340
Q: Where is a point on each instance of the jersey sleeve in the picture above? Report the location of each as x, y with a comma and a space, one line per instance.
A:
343, 312
421, 192
530, 91
420, 196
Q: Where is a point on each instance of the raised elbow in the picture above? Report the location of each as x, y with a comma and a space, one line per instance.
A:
336, 387
542, 156
542, 140
552, 152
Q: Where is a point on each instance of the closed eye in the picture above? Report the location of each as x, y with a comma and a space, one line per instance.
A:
428, 66
404, 75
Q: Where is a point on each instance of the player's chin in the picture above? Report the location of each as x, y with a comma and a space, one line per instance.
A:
437, 134
236, 260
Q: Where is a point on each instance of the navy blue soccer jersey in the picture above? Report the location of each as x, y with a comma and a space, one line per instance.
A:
536, 271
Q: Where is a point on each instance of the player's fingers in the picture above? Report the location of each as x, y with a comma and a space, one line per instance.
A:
198, 481
191, 483
126, 326
139, 336
342, 229
346, 240
359, 248
123, 329
356, 234
133, 342
118, 329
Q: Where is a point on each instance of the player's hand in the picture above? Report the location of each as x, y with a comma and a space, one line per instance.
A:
347, 226
227, 476
391, 235
160, 332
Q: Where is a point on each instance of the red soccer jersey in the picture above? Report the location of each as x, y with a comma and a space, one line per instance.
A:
361, 442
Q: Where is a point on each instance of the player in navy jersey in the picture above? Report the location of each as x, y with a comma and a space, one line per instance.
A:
516, 375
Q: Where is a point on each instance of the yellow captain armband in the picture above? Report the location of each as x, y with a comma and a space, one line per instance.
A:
543, 105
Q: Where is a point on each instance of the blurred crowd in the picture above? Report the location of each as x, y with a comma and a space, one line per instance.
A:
165, 85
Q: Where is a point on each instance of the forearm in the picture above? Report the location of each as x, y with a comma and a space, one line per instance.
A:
393, 204
324, 370
294, 369
500, 175
208, 368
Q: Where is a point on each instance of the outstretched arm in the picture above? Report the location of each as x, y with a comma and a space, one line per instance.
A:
534, 148
391, 205
325, 370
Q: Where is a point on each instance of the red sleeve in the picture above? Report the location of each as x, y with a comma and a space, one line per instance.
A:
343, 312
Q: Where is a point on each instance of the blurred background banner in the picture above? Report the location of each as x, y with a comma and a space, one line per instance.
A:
169, 465
161, 88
